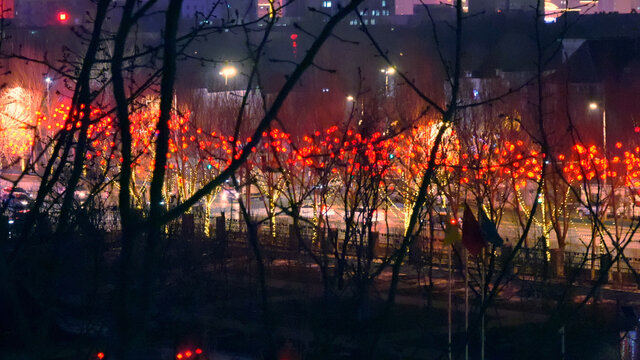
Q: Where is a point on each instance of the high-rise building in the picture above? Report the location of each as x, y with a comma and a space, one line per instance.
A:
269, 8
374, 12
294, 8
221, 11
50, 12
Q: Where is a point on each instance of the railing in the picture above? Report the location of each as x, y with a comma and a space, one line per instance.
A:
536, 261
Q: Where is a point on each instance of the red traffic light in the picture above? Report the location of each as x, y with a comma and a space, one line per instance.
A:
63, 16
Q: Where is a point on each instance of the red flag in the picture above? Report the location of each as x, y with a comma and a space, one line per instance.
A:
471, 233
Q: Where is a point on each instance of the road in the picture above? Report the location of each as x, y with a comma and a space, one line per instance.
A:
578, 237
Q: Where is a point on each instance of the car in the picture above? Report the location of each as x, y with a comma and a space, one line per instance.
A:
81, 194
599, 210
362, 214
13, 190
17, 201
307, 211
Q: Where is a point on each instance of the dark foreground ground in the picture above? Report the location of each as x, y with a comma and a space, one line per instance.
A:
217, 307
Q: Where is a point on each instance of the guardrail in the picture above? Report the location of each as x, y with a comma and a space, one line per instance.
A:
534, 261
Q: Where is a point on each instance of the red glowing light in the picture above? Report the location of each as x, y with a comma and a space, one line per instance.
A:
179, 356
63, 16
294, 36
198, 351
188, 353
100, 355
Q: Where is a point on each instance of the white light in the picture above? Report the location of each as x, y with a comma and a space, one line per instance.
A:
228, 71
350, 98
48, 80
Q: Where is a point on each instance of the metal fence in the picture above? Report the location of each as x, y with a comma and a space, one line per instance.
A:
534, 261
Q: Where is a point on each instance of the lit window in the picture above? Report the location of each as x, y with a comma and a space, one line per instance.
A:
326, 4
373, 21
384, 3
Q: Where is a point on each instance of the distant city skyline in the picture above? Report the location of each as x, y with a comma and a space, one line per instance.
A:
72, 12
405, 7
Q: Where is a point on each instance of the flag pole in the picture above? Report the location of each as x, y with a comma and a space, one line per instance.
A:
449, 302
466, 303
482, 281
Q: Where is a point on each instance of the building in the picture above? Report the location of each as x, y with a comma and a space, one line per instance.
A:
373, 12
41, 13
224, 11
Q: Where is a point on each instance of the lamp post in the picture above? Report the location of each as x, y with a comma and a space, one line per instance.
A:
227, 72
595, 106
387, 72
48, 81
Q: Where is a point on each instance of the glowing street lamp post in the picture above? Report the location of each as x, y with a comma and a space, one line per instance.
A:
390, 71
593, 106
230, 71
48, 81
227, 72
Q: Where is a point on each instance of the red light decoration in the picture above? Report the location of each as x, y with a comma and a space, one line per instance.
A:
294, 36
100, 355
179, 356
63, 16
198, 351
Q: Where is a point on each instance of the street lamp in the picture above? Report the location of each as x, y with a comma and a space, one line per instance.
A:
390, 71
595, 106
228, 71
48, 81
350, 98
